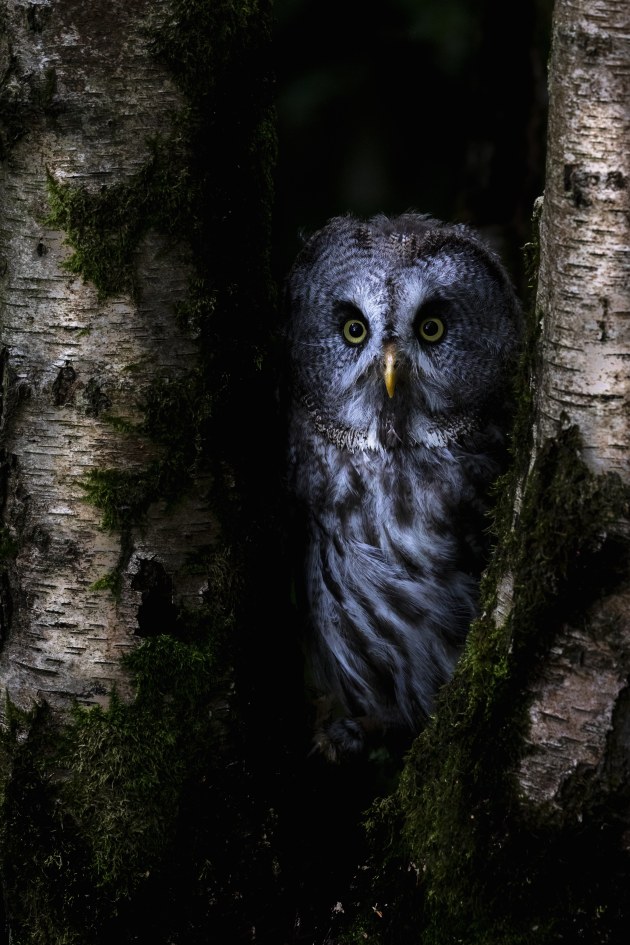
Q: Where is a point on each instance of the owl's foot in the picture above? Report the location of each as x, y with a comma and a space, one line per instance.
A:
340, 740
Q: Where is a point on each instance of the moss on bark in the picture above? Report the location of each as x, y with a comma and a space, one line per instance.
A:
139, 823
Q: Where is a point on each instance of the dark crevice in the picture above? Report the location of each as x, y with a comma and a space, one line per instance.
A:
157, 612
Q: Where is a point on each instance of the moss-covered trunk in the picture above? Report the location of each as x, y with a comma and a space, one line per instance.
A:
136, 304
511, 820
95, 268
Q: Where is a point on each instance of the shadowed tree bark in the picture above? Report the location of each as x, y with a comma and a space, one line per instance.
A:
136, 157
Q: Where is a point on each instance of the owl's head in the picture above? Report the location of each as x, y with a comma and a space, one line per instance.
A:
405, 317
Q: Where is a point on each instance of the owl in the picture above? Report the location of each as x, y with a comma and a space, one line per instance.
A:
401, 339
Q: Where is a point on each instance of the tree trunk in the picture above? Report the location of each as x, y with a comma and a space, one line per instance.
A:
584, 281
583, 303
136, 152
89, 329
512, 817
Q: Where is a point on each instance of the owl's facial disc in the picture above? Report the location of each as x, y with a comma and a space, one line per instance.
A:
390, 363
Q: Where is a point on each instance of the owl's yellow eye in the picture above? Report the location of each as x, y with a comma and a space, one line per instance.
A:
431, 329
355, 331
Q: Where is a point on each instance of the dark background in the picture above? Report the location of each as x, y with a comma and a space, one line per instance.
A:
433, 105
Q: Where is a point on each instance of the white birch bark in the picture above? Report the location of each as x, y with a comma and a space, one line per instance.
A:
583, 302
584, 281
62, 640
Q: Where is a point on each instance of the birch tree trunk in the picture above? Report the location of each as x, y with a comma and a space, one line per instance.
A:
583, 303
79, 354
136, 148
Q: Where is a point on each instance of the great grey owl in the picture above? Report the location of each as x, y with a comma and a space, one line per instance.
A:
402, 335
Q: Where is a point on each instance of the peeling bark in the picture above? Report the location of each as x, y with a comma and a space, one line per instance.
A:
574, 702
72, 359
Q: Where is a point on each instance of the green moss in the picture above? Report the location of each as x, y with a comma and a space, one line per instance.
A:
201, 195
105, 227
112, 581
122, 496
185, 185
103, 810
130, 823
90, 809
177, 414
126, 766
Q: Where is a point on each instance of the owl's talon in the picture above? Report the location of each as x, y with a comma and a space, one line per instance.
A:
339, 740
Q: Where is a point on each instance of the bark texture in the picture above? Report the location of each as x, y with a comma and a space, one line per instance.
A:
583, 304
78, 355
135, 178
584, 280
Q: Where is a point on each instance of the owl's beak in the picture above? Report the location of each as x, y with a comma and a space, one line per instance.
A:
389, 368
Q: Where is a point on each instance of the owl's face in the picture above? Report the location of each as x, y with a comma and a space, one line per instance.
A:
406, 319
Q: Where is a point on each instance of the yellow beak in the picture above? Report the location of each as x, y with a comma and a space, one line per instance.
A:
389, 368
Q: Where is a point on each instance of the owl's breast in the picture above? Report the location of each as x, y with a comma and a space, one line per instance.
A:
396, 502
410, 501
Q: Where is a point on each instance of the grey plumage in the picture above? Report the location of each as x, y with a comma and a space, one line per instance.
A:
402, 335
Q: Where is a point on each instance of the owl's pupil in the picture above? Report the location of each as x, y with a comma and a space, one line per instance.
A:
431, 328
355, 329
